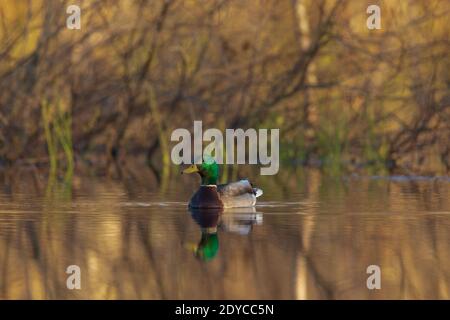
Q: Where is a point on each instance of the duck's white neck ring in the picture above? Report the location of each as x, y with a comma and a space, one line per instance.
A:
208, 185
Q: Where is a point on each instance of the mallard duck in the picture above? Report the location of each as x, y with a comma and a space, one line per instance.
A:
211, 195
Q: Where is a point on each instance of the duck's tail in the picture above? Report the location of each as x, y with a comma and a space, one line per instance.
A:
257, 192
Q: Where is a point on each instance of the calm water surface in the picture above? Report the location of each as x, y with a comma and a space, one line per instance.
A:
310, 237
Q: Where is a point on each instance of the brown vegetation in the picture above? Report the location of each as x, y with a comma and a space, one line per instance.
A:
342, 95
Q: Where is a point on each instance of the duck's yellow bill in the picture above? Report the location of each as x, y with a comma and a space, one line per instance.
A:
191, 247
191, 169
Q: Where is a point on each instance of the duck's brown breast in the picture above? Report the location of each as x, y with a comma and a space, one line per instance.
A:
206, 197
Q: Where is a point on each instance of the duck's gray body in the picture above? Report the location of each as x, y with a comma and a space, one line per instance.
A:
238, 194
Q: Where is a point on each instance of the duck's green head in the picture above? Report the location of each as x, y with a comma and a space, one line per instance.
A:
208, 171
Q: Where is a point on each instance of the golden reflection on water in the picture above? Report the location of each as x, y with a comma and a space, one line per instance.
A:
313, 240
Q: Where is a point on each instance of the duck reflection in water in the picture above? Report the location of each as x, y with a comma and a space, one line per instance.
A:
238, 220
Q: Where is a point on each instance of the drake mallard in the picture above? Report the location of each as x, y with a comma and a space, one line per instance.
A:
211, 195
